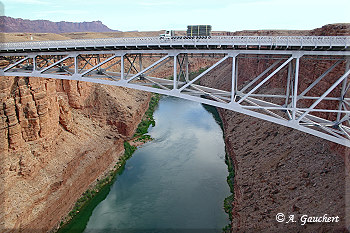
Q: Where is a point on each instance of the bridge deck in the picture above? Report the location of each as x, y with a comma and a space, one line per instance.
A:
319, 43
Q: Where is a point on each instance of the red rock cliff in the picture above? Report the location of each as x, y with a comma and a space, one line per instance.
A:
56, 138
282, 170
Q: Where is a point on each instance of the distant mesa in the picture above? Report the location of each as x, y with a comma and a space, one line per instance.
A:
9, 24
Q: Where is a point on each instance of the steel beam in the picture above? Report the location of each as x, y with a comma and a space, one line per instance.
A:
295, 89
149, 67
54, 64
265, 80
343, 90
15, 64
175, 72
202, 74
281, 108
99, 64
233, 78
324, 94
260, 75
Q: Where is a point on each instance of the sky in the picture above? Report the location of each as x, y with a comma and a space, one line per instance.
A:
153, 15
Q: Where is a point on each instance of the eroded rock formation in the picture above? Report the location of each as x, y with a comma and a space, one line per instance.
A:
56, 138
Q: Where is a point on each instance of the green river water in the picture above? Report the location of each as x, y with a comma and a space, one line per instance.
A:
175, 183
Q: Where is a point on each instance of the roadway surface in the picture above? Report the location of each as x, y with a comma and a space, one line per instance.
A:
318, 43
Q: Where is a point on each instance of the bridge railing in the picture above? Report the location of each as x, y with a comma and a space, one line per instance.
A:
285, 41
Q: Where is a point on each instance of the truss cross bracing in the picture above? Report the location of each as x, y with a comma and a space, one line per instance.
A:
298, 82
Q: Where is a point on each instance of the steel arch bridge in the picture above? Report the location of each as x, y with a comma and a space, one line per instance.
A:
317, 104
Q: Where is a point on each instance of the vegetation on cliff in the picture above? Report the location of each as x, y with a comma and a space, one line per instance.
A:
89, 194
229, 200
148, 119
103, 185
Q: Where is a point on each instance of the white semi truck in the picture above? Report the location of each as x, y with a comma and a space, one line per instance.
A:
193, 31
167, 34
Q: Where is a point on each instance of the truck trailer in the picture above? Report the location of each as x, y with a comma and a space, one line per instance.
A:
193, 31
199, 30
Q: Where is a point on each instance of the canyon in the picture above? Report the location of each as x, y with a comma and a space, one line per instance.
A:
58, 137
278, 169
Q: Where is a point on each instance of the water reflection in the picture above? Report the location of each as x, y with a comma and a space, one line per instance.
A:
177, 181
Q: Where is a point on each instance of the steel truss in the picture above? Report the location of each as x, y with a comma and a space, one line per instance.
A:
280, 93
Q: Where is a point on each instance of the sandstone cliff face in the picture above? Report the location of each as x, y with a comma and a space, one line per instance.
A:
281, 170
56, 138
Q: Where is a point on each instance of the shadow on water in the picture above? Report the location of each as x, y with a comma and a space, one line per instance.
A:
230, 168
214, 112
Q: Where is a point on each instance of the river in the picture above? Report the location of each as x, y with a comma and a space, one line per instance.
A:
175, 183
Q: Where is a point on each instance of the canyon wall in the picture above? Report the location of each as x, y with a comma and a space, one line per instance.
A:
56, 138
279, 169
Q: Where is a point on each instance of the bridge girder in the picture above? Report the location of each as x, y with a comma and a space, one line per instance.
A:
278, 93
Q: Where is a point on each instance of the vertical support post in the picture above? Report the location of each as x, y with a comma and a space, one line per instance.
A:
98, 62
75, 64
122, 67
180, 66
34, 63
187, 78
295, 91
175, 71
236, 75
343, 89
140, 61
290, 67
233, 84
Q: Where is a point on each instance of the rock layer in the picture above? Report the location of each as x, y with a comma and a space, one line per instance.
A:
282, 170
56, 138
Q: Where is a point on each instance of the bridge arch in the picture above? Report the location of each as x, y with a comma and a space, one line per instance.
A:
280, 91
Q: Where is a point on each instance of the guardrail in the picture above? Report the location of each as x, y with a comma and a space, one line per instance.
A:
283, 41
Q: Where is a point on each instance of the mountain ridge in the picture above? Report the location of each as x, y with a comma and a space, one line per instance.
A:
9, 24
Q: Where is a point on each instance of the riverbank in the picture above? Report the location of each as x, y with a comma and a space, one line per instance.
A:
98, 186
228, 207
103, 185
140, 137
177, 181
